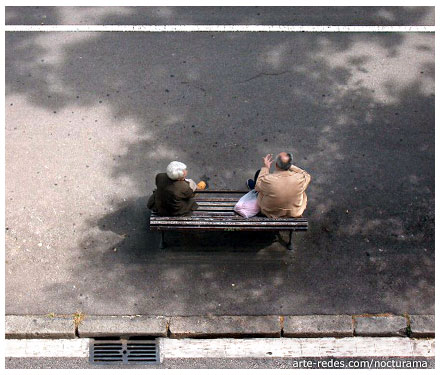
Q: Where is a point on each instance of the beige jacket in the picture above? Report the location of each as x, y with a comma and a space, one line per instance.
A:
282, 193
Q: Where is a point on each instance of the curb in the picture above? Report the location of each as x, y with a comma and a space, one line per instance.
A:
39, 327
380, 326
225, 326
306, 326
122, 326
318, 326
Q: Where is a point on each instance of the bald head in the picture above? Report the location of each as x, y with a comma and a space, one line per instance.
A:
284, 161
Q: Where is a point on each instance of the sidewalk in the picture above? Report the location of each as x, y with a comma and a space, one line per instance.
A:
383, 325
356, 352
381, 341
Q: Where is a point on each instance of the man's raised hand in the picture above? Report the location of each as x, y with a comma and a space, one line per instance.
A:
267, 160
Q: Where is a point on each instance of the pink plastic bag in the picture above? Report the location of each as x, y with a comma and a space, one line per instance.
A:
247, 205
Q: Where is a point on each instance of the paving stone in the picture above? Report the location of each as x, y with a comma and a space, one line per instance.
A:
39, 326
225, 326
392, 325
318, 326
122, 326
422, 325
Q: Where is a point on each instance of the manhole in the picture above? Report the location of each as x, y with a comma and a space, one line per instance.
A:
123, 351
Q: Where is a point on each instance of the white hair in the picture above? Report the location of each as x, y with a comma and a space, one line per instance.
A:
176, 170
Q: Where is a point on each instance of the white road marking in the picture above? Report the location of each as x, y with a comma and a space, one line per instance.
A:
220, 28
77, 348
296, 347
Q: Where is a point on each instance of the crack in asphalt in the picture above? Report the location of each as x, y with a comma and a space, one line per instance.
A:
265, 74
196, 87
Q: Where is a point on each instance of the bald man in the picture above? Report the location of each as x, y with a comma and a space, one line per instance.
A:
282, 193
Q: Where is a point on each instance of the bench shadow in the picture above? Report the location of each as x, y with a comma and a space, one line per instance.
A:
219, 241
130, 221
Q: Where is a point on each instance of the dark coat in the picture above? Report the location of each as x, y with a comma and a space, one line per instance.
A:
171, 198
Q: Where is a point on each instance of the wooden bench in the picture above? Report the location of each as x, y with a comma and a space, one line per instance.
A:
215, 212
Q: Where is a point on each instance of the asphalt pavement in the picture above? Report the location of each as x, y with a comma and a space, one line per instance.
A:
212, 363
209, 15
92, 117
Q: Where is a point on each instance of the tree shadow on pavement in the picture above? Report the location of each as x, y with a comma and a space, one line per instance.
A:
219, 102
240, 15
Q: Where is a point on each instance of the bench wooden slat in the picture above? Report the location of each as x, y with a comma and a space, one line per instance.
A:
216, 221
209, 208
216, 199
222, 191
208, 219
227, 214
227, 229
198, 214
213, 213
219, 214
229, 220
236, 218
215, 204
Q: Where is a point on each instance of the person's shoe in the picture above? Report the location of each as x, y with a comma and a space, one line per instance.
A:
250, 184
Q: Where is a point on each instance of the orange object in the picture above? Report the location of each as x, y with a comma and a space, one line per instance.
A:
201, 185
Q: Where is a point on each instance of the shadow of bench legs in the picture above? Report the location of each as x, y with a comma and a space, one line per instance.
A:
290, 244
162, 243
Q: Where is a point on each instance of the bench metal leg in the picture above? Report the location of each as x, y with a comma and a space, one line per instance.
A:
290, 245
162, 243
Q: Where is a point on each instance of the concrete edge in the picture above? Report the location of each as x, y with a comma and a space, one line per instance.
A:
123, 326
226, 326
318, 326
52, 326
421, 326
381, 325
48, 326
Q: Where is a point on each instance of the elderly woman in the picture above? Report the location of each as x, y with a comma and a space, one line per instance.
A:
174, 193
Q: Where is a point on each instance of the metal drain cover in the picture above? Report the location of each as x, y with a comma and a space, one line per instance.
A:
123, 351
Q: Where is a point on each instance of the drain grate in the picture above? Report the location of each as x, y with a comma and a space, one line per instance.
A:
124, 351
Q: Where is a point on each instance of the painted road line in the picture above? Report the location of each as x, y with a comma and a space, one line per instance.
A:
219, 28
296, 347
77, 348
